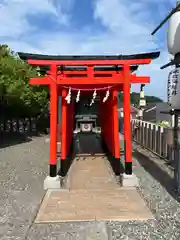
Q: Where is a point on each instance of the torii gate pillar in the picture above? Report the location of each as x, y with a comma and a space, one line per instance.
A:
127, 121
53, 124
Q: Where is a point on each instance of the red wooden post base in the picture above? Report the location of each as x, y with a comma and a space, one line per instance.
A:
52, 170
128, 168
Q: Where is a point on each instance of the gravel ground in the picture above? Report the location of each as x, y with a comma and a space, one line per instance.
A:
23, 168
156, 187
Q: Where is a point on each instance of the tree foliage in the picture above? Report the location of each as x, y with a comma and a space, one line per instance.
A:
18, 97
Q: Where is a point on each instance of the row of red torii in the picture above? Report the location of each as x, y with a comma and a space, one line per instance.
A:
60, 82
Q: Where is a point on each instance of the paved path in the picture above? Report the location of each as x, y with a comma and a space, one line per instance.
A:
92, 194
23, 168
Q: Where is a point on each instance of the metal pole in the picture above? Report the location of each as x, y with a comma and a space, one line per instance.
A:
176, 153
176, 148
167, 18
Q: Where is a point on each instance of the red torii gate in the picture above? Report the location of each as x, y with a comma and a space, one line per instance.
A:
118, 80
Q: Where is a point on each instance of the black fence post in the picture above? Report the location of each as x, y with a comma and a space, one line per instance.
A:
176, 152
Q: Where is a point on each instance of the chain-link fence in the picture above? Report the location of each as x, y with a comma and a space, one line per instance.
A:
156, 139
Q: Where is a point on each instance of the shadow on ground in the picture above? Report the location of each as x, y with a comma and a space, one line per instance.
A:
11, 139
83, 145
157, 173
90, 144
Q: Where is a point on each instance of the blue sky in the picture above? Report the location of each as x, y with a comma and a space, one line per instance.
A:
89, 27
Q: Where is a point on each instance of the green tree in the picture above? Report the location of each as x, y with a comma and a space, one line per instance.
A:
21, 98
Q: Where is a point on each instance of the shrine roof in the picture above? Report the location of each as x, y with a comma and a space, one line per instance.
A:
151, 55
26, 56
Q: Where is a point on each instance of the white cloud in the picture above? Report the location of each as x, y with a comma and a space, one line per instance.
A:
132, 24
128, 26
13, 15
128, 22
